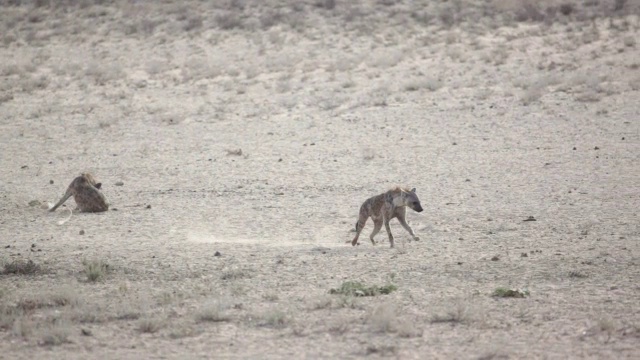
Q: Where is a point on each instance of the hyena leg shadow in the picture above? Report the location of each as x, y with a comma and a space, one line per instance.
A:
404, 224
377, 225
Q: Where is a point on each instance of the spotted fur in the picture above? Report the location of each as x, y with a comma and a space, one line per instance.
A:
86, 192
384, 207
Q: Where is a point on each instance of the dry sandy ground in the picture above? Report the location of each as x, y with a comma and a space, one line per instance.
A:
495, 111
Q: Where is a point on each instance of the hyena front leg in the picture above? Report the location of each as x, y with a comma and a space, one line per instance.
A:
404, 224
386, 225
377, 225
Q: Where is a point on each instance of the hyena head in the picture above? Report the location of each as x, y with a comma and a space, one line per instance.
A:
411, 200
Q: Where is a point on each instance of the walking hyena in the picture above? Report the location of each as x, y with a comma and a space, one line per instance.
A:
384, 207
86, 193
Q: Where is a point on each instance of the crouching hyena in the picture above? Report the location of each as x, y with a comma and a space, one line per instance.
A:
384, 207
86, 192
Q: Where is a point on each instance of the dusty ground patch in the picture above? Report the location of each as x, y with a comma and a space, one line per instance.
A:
237, 140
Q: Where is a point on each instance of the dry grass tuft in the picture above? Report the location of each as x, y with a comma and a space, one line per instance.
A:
22, 267
276, 319
458, 314
57, 334
95, 270
213, 311
383, 317
150, 325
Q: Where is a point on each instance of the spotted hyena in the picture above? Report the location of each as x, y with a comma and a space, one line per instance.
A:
86, 192
384, 207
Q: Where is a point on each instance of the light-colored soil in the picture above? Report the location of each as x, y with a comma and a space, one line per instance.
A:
494, 111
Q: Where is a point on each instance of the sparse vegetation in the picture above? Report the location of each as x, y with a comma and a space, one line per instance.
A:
95, 270
330, 99
577, 274
275, 319
383, 317
356, 288
510, 293
56, 334
235, 274
22, 267
150, 325
459, 313
213, 311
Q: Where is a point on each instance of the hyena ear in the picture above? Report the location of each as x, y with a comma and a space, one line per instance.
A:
413, 190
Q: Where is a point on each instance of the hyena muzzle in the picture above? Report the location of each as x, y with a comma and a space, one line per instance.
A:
384, 207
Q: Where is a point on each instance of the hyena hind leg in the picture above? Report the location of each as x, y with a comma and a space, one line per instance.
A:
377, 225
359, 226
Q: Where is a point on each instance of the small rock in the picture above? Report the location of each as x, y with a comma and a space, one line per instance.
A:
596, 148
33, 203
574, 148
50, 181
8, 246
119, 183
24, 167
530, 218
33, 245
217, 253
454, 143
524, 254
148, 206
280, 160
459, 262
81, 232
86, 332
495, 258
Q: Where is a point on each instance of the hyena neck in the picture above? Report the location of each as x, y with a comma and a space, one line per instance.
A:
397, 200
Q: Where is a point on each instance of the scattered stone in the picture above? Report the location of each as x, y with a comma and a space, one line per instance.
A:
119, 183
495, 258
148, 206
33, 203
530, 218
217, 253
524, 254
81, 232
596, 148
86, 332
50, 181
574, 148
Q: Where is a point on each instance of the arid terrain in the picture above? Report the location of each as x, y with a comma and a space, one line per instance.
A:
236, 140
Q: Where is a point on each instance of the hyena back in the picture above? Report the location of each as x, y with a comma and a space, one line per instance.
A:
384, 207
86, 193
